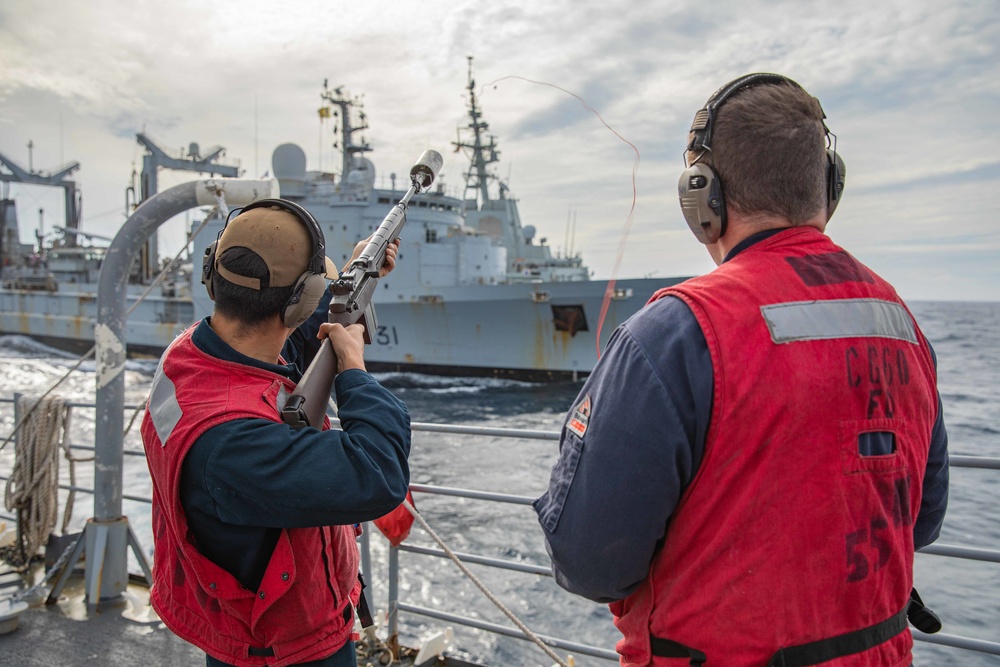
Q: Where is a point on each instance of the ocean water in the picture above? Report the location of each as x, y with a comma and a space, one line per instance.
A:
966, 594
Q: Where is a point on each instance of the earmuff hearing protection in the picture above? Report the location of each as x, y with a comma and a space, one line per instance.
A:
308, 288
700, 189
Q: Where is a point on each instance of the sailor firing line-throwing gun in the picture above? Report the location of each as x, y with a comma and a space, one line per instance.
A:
352, 302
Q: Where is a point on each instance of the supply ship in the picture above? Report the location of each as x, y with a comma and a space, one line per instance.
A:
475, 291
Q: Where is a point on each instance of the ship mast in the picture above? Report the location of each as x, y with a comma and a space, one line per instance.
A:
347, 129
477, 177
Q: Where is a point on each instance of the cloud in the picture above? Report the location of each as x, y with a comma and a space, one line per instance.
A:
911, 89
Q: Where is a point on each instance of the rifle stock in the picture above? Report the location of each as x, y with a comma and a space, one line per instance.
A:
299, 411
352, 303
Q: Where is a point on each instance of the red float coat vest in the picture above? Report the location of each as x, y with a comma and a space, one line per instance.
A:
787, 535
298, 613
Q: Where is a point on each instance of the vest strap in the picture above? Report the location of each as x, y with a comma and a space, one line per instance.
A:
266, 652
848, 643
667, 648
920, 616
364, 611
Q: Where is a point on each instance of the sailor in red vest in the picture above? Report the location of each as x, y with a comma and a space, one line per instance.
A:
256, 560
747, 472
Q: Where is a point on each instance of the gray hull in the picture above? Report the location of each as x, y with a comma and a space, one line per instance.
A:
517, 331
536, 331
65, 319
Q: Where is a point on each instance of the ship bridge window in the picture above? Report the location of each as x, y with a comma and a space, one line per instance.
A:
431, 235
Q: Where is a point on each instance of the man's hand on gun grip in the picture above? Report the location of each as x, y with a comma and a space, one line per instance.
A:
348, 344
391, 251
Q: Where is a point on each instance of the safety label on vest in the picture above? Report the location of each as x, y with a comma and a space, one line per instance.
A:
581, 416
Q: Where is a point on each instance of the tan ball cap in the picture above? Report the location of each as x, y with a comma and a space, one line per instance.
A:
279, 238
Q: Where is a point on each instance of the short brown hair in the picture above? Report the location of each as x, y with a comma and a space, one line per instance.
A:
769, 150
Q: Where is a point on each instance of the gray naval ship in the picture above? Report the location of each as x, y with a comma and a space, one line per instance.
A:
475, 291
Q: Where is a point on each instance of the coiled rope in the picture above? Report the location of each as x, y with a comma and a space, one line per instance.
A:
33, 488
34, 495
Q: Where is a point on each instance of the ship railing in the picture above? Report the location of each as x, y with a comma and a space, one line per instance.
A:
396, 605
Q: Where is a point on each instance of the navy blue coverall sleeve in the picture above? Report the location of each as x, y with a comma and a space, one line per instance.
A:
934, 500
613, 490
263, 473
245, 480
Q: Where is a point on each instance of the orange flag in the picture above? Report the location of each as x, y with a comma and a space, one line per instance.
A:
396, 524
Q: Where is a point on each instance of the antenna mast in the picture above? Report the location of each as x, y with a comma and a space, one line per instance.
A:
482, 155
347, 129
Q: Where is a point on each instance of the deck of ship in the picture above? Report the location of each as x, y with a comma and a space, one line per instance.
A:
124, 632
67, 634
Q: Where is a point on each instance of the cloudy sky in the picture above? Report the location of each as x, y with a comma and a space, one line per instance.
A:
911, 89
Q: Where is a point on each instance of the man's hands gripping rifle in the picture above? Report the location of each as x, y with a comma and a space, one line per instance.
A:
352, 302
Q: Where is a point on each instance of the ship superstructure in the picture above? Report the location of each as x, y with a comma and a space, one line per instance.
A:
50, 292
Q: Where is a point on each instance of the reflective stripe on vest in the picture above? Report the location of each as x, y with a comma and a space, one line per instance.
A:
844, 318
164, 409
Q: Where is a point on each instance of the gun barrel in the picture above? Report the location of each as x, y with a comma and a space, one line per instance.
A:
373, 255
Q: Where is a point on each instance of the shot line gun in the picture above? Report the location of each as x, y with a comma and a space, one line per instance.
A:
352, 302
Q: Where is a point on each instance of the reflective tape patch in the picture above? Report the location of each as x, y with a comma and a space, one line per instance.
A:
110, 359
163, 406
846, 318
